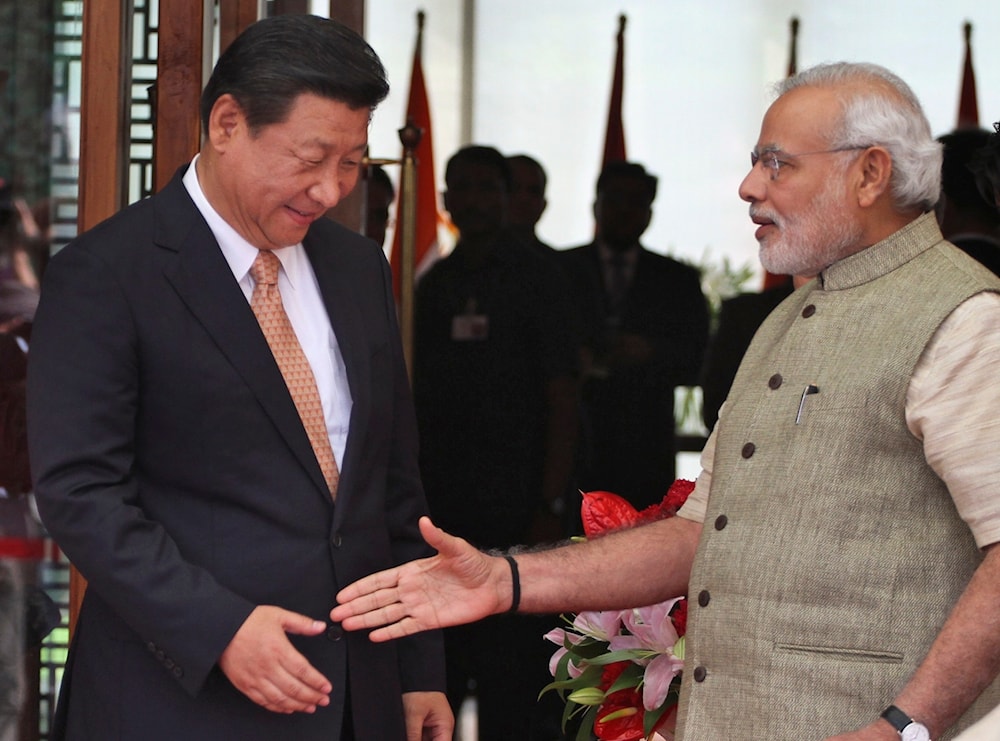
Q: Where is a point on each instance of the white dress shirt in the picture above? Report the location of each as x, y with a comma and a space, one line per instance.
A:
303, 304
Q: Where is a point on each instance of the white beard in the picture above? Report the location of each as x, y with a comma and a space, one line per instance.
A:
812, 239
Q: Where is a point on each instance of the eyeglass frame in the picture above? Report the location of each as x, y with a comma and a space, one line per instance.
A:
770, 159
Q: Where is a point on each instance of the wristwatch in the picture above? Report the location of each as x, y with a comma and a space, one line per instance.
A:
909, 729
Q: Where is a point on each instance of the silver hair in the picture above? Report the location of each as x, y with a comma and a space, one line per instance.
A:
880, 109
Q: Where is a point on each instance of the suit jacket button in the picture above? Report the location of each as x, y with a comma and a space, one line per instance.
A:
169, 663
774, 382
160, 656
151, 647
700, 673
177, 672
704, 598
334, 633
721, 521
808, 311
336, 540
748, 450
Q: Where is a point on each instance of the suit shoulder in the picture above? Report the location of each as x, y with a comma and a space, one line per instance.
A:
118, 240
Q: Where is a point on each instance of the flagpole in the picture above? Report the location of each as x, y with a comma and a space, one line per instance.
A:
410, 137
614, 134
793, 52
968, 107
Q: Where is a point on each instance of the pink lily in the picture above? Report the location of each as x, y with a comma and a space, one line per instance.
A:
558, 637
652, 630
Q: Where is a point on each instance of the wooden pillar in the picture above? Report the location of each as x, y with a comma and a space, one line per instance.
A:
177, 130
106, 76
349, 12
281, 7
234, 16
351, 209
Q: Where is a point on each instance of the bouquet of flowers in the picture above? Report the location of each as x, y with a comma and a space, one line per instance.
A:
620, 669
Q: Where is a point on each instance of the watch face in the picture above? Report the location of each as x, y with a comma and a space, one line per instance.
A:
915, 732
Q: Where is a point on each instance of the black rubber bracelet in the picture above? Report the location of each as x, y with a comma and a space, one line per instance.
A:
515, 586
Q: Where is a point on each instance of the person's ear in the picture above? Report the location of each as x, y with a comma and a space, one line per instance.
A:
875, 175
224, 121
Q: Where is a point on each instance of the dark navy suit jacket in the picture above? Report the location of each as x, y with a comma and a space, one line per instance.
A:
172, 468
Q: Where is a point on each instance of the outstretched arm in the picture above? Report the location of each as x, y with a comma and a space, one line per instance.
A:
460, 584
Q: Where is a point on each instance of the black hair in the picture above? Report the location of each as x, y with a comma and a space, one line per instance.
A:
277, 59
532, 162
985, 166
480, 155
631, 171
958, 182
377, 174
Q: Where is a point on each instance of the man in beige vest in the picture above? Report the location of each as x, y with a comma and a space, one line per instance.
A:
838, 547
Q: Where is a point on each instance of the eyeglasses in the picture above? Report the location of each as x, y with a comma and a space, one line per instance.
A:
772, 160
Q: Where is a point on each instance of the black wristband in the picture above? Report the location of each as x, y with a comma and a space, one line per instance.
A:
515, 584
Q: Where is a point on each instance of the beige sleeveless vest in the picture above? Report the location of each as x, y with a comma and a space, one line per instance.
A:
831, 553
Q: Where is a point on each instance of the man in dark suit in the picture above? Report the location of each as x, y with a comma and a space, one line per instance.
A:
645, 326
173, 466
967, 219
494, 382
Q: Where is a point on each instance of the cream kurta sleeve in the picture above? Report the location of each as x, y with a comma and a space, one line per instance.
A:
953, 406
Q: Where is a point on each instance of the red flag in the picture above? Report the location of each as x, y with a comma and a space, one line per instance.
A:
968, 109
418, 113
614, 138
770, 279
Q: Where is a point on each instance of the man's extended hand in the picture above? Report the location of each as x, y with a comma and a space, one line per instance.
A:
459, 585
428, 716
261, 662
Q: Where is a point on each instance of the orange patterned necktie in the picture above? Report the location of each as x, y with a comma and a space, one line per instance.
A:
270, 313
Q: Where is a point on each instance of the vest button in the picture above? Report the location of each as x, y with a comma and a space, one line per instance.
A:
748, 450
335, 540
808, 311
700, 673
721, 521
704, 598
334, 633
774, 382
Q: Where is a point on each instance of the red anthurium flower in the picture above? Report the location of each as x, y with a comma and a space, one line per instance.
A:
620, 717
611, 673
602, 511
678, 493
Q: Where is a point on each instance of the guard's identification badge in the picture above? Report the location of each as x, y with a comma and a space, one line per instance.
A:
470, 327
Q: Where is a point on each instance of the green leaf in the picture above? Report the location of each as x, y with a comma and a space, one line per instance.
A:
587, 724
628, 654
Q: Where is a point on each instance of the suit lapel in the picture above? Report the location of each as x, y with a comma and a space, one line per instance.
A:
203, 280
